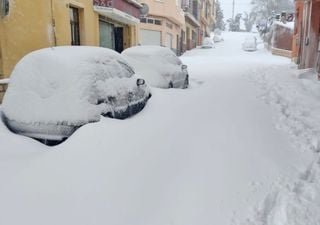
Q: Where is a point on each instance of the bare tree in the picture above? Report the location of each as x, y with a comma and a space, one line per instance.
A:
266, 8
249, 20
219, 17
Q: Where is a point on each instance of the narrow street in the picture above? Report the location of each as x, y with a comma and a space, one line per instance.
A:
205, 155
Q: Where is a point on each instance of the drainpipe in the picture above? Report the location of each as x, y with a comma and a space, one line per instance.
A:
53, 24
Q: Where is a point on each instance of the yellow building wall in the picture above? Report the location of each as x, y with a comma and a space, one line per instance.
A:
169, 12
27, 27
131, 36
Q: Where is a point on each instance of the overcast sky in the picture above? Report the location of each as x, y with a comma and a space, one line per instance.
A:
240, 7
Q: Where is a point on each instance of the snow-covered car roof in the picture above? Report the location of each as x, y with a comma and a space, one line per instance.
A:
159, 52
64, 84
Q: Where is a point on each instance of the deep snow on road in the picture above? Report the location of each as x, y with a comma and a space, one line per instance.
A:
205, 155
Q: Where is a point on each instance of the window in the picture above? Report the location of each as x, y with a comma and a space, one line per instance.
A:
4, 7
75, 28
151, 21
157, 22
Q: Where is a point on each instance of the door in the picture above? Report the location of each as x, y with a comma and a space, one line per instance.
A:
106, 35
150, 37
169, 41
118, 37
75, 27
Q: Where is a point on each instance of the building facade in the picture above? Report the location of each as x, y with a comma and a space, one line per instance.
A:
307, 34
163, 25
206, 19
297, 33
26, 26
192, 18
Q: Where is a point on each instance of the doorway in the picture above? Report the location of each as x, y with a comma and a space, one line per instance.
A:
118, 37
106, 35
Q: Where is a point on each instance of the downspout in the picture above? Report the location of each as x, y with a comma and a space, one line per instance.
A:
53, 24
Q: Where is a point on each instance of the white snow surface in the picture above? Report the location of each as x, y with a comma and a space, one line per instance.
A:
62, 84
209, 154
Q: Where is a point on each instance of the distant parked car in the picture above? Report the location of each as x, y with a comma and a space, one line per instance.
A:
250, 43
159, 66
207, 43
217, 35
54, 91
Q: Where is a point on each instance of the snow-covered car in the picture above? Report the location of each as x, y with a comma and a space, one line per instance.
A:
159, 66
250, 43
207, 43
54, 91
217, 35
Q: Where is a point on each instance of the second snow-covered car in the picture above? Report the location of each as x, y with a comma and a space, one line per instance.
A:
250, 44
159, 66
217, 36
207, 43
54, 91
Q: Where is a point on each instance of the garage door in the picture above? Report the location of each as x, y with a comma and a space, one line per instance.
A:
150, 37
169, 40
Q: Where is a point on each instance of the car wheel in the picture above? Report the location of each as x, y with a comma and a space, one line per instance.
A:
186, 82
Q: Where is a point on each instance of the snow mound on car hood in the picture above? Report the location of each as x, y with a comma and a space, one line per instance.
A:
294, 204
62, 84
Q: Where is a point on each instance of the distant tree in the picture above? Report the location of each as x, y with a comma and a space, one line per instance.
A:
249, 20
234, 24
219, 17
266, 8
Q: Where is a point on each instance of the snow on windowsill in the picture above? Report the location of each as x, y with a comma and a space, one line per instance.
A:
4, 81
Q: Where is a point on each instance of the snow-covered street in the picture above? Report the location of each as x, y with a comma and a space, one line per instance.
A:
209, 154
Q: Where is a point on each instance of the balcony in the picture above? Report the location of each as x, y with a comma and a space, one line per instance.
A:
124, 11
192, 13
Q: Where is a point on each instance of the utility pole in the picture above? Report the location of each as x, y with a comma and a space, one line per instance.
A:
233, 10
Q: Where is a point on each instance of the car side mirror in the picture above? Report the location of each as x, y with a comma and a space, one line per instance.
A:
184, 67
140, 82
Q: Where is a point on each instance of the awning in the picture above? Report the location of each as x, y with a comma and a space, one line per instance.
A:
134, 2
116, 15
